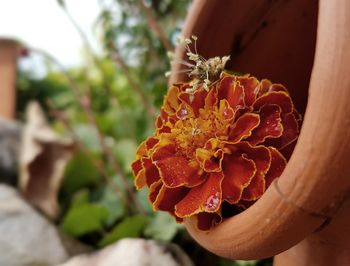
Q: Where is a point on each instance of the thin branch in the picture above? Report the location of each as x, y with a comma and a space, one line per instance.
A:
154, 25
61, 117
134, 85
119, 60
109, 154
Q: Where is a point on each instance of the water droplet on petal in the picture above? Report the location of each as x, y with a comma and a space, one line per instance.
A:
212, 202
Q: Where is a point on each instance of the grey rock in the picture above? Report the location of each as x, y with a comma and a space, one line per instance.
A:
134, 252
10, 132
27, 239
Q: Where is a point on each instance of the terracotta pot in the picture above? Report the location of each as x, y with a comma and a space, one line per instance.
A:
306, 46
9, 51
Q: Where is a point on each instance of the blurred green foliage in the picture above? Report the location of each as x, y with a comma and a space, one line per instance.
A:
93, 210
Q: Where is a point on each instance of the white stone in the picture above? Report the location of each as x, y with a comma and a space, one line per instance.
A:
134, 252
27, 239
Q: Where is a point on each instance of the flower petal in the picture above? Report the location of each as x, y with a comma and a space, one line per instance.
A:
195, 100
278, 163
225, 111
177, 171
151, 172
259, 154
244, 126
280, 98
206, 221
232, 91
139, 173
171, 102
238, 173
267, 86
251, 88
262, 159
184, 111
154, 191
211, 99
151, 142
270, 125
141, 150
264, 86
277, 87
145, 146
210, 161
167, 198
290, 132
203, 198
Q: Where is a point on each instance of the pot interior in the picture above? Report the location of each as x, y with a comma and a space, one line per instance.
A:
268, 39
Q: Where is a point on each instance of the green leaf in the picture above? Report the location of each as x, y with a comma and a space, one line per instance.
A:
130, 227
246, 262
84, 219
142, 197
88, 136
110, 200
162, 227
81, 198
125, 149
80, 172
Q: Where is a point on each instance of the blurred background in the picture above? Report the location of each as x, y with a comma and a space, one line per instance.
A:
95, 70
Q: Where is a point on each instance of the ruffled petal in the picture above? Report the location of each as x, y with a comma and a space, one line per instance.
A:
238, 173
184, 111
141, 150
177, 171
277, 87
203, 198
210, 161
145, 146
154, 191
262, 159
251, 88
166, 149
256, 188
171, 101
264, 87
270, 125
267, 86
280, 98
211, 99
206, 221
151, 172
225, 111
211, 155
232, 91
244, 126
151, 142
278, 163
139, 173
167, 198
196, 100
290, 132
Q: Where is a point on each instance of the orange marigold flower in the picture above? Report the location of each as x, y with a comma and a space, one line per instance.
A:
217, 148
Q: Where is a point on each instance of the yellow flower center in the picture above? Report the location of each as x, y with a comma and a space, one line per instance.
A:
193, 132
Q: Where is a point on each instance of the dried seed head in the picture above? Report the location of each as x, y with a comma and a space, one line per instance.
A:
202, 72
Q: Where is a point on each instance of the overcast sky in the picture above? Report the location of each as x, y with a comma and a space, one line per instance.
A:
42, 24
